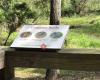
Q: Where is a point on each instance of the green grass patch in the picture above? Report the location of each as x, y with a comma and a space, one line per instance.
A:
84, 37
81, 40
76, 20
30, 72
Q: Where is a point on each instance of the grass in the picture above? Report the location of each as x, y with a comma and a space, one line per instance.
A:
29, 72
82, 40
84, 37
75, 20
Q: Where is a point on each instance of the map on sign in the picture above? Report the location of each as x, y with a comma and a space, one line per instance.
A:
41, 36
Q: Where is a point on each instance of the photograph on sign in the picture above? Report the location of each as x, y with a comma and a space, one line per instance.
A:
41, 36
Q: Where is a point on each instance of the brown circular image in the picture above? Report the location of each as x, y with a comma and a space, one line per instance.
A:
25, 34
56, 35
41, 34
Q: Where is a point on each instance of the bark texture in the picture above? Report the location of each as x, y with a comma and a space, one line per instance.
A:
55, 15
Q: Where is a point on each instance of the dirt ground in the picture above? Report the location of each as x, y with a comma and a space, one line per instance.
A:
69, 75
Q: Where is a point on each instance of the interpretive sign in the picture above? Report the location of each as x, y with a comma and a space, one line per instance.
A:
41, 36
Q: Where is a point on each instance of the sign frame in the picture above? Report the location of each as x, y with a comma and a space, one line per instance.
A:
40, 31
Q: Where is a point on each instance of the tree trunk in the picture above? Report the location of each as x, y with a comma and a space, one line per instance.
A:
55, 15
55, 12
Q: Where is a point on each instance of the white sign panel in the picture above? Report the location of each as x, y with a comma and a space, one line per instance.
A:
41, 36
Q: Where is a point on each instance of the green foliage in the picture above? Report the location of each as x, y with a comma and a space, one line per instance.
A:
1, 16
23, 12
84, 37
13, 13
21, 6
66, 10
80, 7
16, 14
82, 40
43, 6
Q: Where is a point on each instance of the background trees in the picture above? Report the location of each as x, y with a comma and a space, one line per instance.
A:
14, 13
80, 7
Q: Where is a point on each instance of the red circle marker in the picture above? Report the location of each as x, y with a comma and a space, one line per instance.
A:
43, 46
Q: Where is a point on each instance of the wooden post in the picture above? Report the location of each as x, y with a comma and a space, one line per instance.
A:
55, 15
1, 74
6, 70
9, 69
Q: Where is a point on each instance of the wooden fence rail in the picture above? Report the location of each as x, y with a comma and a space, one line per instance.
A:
70, 59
